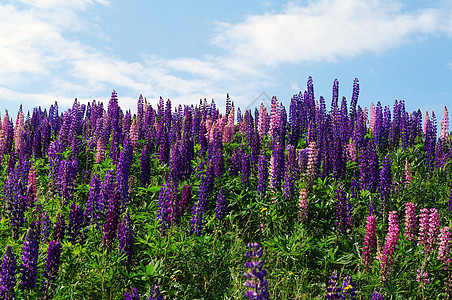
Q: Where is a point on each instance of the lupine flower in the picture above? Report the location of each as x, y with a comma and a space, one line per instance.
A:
333, 290
111, 224
276, 166
125, 236
145, 166
256, 282
444, 133
199, 209
344, 213
8, 275
424, 227
348, 290
220, 211
60, 228
392, 239
262, 175
100, 151
134, 134
245, 168
434, 229
44, 224
369, 240
377, 296
77, 222
450, 197
408, 176
29, 267
385, 185
303, 204
444, 244
155, 293
410, 222
422, 276
312, 161
134, 296
52, 266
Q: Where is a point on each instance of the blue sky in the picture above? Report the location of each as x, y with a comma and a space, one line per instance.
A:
186, 50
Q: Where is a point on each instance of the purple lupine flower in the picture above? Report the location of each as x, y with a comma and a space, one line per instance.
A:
333, 290
8, 275
377, 296
424, 227
92, 206
410, 222
368, 169
444, 244
155, 293
276, 166
29, 267
392, 239
77, 222
185, 198
344, 213
44, 224
107, 186
145, 166
220, 211
288, 181
133, 296
262, 175
111, 224
125, 237
256, 282
161, 210
385, 185
246, 169
52, 266
60, 228
122, 171
199, 208
236, 163
369, 240
348, 290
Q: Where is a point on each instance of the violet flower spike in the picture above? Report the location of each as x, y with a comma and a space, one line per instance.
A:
8, 275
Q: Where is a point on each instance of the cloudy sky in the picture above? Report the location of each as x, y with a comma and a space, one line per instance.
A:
58, 50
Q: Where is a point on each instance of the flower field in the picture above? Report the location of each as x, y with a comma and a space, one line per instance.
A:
190, 202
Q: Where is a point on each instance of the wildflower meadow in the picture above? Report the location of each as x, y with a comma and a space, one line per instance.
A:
308, 201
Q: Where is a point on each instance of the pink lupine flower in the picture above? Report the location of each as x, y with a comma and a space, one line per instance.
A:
228, 132
31, 188
372, 118
426, 120
262, 125
444, 244
369, 240
410, 222
444, 133
100, 155
424, 227
408, 176
434, 229
303, 204
134, 133
351, 148
312, 161
274, 116
422, 276
392, 239
18, 129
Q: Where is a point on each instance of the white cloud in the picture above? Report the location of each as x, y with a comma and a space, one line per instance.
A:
40, 47
324, 30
